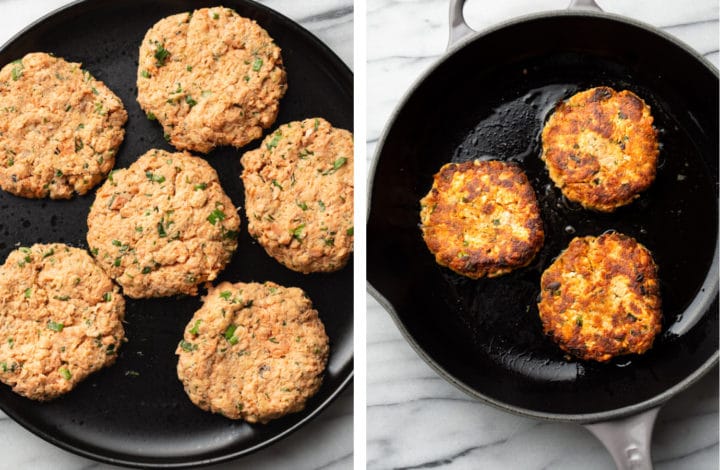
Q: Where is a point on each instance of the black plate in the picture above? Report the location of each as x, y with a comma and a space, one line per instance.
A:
147, 420
489, 99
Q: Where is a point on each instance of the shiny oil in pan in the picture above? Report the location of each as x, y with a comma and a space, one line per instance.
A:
676, 219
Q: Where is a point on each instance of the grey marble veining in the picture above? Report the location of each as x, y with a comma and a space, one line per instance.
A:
327, 441
415, 419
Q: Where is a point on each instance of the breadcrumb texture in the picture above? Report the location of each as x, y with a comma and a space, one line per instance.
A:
481, 218
299, 195
60, 320
601, 298
600, 148
60, 128
163, 226
253, 351
210, 77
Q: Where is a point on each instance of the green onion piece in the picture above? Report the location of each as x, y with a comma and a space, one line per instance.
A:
336, 166
297, 232
216, 215
161, 54
187, 346
230, 334
65, 373
275, 140
55, 326
154, 178
257, 64
17, 71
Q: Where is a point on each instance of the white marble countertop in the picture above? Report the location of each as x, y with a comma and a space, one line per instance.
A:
415, 419
327, 441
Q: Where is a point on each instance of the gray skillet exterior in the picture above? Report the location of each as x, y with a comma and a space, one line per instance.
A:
461, 37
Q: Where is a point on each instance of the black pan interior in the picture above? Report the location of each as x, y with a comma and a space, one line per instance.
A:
147, 419
489, 100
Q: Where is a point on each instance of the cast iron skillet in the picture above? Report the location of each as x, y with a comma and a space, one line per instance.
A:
147, 420
488, 98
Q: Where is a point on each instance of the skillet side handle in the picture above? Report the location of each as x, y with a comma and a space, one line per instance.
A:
458, 27
584, 5
628, 439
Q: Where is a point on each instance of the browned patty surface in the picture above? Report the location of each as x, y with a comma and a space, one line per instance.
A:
163, 226
481, 218
60, 128
601, 148
253, 351
299, 195
60, 320
210, 77
601, 298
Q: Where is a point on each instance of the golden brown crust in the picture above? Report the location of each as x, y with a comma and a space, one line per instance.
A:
60, 320
210, 77
59, 128
482, 218
601, 148
601, 298
253, 351
299, 195
163, 226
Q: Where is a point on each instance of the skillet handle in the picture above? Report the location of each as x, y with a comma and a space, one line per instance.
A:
458, 27
584, 5
628, 439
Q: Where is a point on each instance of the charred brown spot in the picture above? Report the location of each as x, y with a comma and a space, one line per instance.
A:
602, 93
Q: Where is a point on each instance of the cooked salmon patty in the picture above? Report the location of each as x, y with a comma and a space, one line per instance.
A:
253, 351
60, 320
601, 298
600, 148
481, 218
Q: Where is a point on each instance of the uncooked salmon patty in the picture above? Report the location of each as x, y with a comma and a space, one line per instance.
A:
601, 298
60, 320
163, 226
253, 351
299, 195
600, 148
60, 128
210, 78
481, 218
